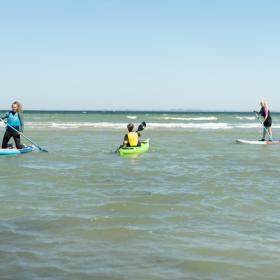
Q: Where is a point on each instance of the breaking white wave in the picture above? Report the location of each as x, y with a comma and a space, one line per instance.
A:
132, 117
247, 125
154, 125
110, 125
191, 125
245, 118
189, 118
73, 125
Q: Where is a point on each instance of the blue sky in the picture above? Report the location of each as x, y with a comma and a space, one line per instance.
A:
206, 55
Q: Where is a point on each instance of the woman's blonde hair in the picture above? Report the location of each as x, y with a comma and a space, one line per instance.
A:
19, 110
263, 103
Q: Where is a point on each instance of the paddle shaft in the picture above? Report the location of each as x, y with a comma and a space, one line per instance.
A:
41, 149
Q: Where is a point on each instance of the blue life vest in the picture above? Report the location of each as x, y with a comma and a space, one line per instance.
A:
14, 120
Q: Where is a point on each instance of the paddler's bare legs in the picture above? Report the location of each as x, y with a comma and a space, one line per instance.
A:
269, 131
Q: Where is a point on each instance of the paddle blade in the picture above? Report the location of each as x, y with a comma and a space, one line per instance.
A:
141, 126
41, 149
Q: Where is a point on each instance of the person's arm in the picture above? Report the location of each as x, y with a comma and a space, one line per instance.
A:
139, 142
5, 116
21, 122
124, 144
125, 140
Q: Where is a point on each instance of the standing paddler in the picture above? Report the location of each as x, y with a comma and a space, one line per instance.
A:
15, 125
266, 120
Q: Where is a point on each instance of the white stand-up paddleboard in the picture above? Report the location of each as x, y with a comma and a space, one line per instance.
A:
255, 142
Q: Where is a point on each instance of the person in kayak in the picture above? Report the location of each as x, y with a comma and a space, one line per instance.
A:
131, 139
14, 119
267, 120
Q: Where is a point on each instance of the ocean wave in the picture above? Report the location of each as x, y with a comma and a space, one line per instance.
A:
189, 118
132, 117
245, 118
247, 125
191, 125
73, 125
111, 125
153, 125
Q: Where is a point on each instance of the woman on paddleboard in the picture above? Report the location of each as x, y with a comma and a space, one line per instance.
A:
14, 122
267, 120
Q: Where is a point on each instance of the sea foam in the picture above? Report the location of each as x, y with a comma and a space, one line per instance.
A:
152, 125
245, 118
189, 118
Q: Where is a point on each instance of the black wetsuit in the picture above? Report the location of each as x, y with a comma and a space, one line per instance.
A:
11, 133
268, 121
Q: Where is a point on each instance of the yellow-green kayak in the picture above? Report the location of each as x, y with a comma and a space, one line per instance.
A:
145, 144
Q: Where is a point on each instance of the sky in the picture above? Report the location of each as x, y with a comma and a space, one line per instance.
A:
140, 55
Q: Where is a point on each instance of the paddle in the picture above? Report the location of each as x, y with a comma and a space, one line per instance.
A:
141, 127
258, 117
37, 146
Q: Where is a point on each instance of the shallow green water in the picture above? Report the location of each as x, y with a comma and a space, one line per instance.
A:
197, 206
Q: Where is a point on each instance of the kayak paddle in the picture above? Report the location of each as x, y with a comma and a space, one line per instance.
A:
37, 146
258, 117
141, 126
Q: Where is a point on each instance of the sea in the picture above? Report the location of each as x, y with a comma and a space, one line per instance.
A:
195, 206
